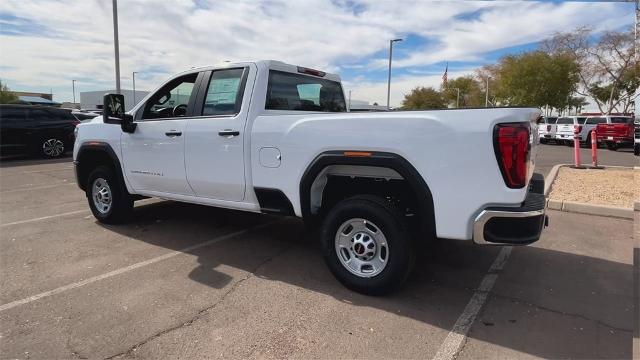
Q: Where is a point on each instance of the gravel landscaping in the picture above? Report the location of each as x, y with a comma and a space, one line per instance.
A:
613, 187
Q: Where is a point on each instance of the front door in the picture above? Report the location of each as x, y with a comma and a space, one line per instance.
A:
154, 153
214, 149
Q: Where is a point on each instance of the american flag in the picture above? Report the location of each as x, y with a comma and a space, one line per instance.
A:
444, 76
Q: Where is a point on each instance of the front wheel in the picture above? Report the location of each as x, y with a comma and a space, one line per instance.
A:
366, 245
110, 203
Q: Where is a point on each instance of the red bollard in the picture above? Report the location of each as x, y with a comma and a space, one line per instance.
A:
594, 149
576, 147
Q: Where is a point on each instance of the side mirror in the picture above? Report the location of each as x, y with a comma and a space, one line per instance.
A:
113, 112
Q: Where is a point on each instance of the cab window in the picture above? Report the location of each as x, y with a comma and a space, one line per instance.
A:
224, 93
171, 100
596, 120
289, 91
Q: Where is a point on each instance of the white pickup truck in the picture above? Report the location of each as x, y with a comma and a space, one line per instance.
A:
276, 138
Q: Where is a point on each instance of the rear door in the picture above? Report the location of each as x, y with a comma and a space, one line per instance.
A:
153, 154
214, 149
13, 130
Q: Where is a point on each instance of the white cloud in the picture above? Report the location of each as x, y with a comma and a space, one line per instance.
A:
73, 39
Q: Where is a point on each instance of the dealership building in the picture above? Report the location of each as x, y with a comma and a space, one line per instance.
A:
92, 100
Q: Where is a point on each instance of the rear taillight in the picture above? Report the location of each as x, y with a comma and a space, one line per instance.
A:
579, 128
511, 145
548, 127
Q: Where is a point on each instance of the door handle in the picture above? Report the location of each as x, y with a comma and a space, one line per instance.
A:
173, 133
229, 133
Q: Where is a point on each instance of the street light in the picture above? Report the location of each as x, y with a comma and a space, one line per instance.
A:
134, 87
389, 81
116, 44
73, 87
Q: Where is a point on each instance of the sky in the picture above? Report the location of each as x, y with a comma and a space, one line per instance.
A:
44, 44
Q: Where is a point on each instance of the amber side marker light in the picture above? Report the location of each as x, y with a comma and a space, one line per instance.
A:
357, 154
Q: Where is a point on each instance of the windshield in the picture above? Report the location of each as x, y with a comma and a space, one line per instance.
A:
565, 121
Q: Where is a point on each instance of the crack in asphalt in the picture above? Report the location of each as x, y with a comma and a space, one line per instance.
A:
250, 274
579, 316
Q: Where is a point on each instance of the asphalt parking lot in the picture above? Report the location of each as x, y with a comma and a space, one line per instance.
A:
186, 281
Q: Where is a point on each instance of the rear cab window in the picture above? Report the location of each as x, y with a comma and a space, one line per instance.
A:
596, 120
552, 120
299, 92
581, 120
565, 121
621, 120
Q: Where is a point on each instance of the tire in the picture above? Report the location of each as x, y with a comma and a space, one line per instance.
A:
543, 141
110, 203
372, 219
636, 150
51, 147
612, 147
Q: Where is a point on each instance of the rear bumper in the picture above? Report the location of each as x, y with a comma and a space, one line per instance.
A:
513, 226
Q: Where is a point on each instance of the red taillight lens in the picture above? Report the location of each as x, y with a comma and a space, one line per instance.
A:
511, 145
579, 128
548, 127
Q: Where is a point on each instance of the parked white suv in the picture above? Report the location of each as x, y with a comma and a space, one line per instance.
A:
565, 127
276, 138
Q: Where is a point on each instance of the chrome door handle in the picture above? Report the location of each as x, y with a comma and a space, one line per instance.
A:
229, 133
173, 133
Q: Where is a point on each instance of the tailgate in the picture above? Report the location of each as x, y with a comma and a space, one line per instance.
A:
611, 130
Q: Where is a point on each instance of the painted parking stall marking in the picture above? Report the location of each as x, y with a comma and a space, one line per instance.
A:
457, 336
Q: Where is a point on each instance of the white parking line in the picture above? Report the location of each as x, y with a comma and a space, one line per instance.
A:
36, 187
44, 218
127, 268
456, 337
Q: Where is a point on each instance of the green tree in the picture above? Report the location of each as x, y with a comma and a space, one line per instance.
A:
468, 89
608, 71
6, 95
423, 98
536, 79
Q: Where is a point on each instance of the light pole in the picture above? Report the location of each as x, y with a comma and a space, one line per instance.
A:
134, 87
486, 98
116, 44
389, 80
73, 87
457, 98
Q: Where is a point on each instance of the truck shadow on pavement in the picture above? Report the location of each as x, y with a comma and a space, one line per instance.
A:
545, 303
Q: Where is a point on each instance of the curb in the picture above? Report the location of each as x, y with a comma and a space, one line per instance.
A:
551, 177
584, 208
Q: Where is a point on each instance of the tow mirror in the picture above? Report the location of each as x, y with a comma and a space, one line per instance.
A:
113, 112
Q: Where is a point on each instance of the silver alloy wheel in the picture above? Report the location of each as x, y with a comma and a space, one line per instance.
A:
101, 195
361, 247
53, 147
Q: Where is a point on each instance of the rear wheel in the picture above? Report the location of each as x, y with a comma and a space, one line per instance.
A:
612, 146
367, 245
110, 203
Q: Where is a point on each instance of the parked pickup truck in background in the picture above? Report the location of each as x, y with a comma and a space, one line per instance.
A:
276, 138
547, 128
617, 132
565, 127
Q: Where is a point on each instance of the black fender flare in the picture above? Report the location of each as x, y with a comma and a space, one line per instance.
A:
377, 159
97, 146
